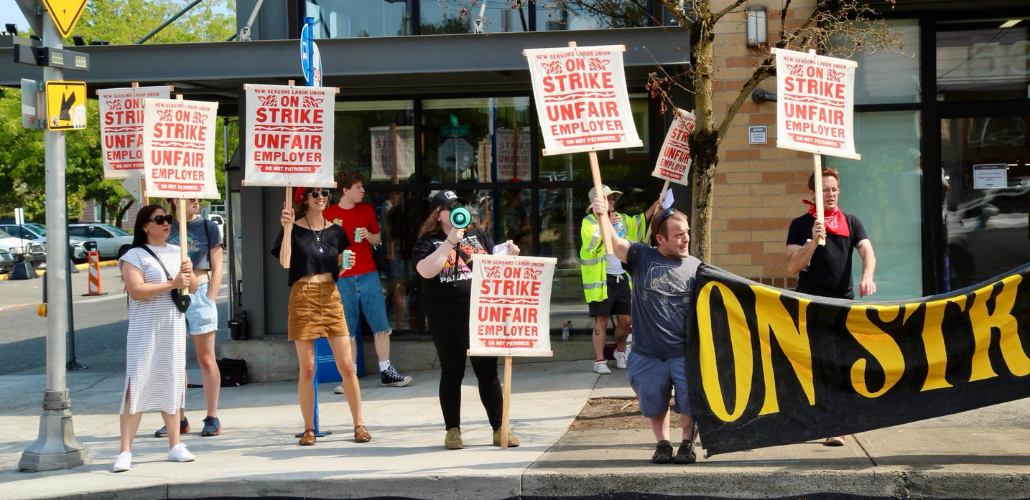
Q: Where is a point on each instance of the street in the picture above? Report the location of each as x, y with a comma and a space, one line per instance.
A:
100, 323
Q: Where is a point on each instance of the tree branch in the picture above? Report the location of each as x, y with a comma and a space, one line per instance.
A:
783, 20
761, 73
718, 15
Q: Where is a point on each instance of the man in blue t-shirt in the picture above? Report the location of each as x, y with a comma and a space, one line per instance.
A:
662, 278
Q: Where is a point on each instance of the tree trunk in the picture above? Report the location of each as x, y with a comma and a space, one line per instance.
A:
702, 179
121, 213
704, 147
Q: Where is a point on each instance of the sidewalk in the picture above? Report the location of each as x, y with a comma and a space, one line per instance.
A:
980, 454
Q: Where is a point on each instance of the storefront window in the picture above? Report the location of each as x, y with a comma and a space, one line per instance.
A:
568, 15
399, 227
376, 138
476, 139
614, 163
359, 18
441, 17
987, 193
987, 59
561, 218
890, 77
883, 191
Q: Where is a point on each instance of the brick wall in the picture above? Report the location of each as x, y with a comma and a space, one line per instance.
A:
758, 187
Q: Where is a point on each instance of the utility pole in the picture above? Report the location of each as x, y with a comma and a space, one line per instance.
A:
56, 447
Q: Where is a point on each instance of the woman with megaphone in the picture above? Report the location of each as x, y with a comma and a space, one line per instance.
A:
443, 257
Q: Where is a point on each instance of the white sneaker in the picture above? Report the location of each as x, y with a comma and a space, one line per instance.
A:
123, 462
620, 360
338, 389
179, 453
602, 367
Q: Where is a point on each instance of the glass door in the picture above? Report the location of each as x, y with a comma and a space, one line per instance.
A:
987, 195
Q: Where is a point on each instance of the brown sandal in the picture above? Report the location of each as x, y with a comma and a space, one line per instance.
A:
361, 434
308, 438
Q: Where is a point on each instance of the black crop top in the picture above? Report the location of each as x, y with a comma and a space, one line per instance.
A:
307, 256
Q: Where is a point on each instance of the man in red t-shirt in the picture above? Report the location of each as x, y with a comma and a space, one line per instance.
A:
359, 286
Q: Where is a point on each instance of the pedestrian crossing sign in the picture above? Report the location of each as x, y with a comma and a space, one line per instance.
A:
65, 105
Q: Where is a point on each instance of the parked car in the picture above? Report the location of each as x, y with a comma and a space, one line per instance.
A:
37, 232
988, 235
111, 241
23, 250
220, 222
7, 262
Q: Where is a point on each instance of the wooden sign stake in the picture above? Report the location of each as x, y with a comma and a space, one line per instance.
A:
819, 216
507, 403
661, 199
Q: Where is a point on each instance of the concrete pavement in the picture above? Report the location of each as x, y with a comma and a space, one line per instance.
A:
979, 454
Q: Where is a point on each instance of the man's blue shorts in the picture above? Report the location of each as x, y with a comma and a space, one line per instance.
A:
363, 294
653, 379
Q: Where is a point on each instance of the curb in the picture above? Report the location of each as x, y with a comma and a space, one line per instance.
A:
80, 267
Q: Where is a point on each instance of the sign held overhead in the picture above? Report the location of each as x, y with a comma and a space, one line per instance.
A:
815, 109
582, 99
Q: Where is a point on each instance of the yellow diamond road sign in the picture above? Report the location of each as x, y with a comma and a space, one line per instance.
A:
65, 13
65, 105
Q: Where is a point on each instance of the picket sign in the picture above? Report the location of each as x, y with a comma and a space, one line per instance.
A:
584, 105
116, 106
279, 159
510, 313
820, 92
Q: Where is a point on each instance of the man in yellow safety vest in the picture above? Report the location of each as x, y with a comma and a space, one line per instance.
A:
606, 285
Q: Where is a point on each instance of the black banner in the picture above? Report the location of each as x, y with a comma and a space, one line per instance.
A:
768, 367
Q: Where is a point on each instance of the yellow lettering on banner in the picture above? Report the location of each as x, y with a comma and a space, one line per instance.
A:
933, 342
773, 317
881, 345
1002, 319
740, 341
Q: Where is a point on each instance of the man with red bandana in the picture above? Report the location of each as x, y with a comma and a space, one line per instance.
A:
826, 270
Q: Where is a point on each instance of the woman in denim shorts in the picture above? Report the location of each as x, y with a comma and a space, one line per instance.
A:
204, 246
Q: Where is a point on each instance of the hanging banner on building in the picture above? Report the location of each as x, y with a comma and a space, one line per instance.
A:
512, 154
581, 98
179, 148
511, 306
121, 128
289, 135
768, 367
815, 103
674, 163
393, 153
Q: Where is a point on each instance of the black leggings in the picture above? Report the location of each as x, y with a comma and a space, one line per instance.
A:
451, 337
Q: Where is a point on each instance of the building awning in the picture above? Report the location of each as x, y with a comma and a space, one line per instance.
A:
361, 67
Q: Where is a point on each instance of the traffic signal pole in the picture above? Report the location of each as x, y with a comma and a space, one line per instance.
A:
56, 447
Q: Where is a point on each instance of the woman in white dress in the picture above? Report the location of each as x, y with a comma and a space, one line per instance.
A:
155, 354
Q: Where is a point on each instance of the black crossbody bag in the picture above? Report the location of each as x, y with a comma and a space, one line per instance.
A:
182, 302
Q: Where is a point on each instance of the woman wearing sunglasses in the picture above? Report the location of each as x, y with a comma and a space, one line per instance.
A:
204, 246
315, 310
155, 353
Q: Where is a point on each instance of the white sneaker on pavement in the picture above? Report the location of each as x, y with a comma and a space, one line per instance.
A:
123, 462
620, 360
338, 389
602, 367
179, 453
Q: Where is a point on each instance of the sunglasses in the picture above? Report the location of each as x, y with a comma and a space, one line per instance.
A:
323, 193
662, 218
162, 219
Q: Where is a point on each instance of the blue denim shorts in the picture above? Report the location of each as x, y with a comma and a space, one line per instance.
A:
363, 294
202, 315
653, 379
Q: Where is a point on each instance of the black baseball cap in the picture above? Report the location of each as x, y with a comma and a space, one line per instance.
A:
446, 197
